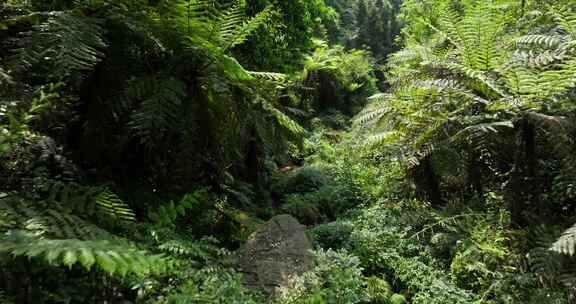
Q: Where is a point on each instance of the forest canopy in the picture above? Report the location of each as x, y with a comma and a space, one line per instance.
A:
426, 146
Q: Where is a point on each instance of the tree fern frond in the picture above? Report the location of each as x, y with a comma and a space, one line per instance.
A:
5, 78
49, 222
233, 69
169, 212
484, 80
566, 243
88, 200
556, 82
412, 53
567, 21
539, 59
449, 87
233, 28
376, 110
278, 77
113, 258
112, 205
545, 263
285, 121
192, 249
548, 41
481, 129
70, 43
382, 139
448, 29
158, 110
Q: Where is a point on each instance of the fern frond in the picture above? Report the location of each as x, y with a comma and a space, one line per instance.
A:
548, 41
114, 258
566, 19
383, 139
539, 59
278, 77
378, 108
448, 27
283, 120
476, 131
159, 108
49, 222
566, 243
192, 249
169, 212
483, 80
5, 78
112, 205
233, 69
70, 43
417, 52
89, 200
545, 263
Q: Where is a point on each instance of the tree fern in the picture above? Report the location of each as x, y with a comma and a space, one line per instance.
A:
461, 86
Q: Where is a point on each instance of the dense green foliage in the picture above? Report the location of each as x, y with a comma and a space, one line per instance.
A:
427, 145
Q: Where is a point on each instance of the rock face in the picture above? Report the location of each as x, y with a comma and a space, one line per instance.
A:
275, 253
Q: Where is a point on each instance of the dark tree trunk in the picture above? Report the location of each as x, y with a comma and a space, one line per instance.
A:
427, 183
475, 175
523, 191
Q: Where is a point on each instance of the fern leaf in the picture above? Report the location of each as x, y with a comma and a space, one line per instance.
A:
284, 120
112, 205
234, 30
544, 40
71, 43
69, 258
86, 257
113, 258
159, 109
168, 213
268, 76
566, 244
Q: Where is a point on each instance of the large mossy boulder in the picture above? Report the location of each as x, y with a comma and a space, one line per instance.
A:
275, 254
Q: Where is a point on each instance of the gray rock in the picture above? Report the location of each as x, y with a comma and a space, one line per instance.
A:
273, 255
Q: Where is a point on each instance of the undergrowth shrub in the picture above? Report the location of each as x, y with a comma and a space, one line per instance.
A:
378, 290
304, 207
214, 286
337, 278
301, 180
334, 235
327, 203
382, 241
